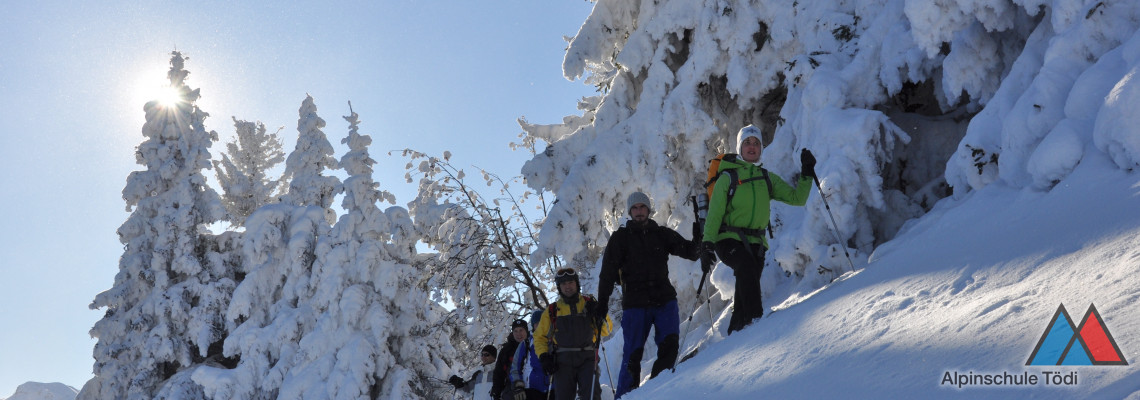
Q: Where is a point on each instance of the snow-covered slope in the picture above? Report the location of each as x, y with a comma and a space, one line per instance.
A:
967, 289
43, 391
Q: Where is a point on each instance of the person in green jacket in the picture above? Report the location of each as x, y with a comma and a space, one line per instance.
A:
735, 228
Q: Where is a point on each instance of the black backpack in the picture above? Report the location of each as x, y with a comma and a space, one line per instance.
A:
552, 311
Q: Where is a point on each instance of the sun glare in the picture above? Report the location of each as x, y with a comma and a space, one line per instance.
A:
151, 85
168, 96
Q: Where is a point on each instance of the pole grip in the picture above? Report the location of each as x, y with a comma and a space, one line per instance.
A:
702, 284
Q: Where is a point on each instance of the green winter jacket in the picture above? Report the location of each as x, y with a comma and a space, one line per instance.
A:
750, 208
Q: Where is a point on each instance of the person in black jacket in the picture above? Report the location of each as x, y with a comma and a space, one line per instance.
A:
637, 257
502, 374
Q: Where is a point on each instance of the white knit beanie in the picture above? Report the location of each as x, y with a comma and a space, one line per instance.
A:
746, 132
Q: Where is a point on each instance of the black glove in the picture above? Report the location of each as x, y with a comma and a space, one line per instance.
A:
807, 163
456, 381
520, 391
708, 256
601, 311
547, 361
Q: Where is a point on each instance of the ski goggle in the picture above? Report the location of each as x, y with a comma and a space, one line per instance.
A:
566, 272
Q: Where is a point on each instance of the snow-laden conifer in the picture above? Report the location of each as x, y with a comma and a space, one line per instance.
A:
373, 335
306, 165
164, 313
272, 306
243, 171
270, 309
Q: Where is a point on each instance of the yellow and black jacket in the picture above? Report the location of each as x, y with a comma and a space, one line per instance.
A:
569, 328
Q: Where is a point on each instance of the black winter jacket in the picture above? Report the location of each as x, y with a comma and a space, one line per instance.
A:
637, 257
501, 376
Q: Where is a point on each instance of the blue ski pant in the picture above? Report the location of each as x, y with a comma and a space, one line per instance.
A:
635, 324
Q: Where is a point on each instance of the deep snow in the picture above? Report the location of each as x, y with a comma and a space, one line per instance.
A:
968, 288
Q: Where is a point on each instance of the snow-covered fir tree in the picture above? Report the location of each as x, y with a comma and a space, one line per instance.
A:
373, 336
164, 313
307, 163
271, 307
270, 310
243, 171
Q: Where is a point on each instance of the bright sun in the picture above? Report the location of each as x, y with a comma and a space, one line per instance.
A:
168, 96
151, 85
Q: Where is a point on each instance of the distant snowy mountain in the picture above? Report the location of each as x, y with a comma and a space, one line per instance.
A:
43, 391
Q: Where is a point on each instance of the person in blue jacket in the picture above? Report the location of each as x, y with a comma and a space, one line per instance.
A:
527, 378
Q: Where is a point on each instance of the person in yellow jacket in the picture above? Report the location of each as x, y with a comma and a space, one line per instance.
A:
567, 338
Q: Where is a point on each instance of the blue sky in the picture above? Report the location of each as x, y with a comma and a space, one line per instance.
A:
74, 76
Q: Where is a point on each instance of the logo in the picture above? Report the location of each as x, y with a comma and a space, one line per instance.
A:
1064, 343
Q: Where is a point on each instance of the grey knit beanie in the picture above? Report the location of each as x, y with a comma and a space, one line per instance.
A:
638, 198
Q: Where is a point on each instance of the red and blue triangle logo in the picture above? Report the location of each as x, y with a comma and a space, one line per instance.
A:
1064, 343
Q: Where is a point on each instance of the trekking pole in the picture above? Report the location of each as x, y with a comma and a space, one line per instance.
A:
696, 231
708, 302
701, 210
835, 231
597, 371
702, 284
608, 373
708, 299
689, 324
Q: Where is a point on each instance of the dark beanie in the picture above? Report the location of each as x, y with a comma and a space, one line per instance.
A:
490, 349
535, 317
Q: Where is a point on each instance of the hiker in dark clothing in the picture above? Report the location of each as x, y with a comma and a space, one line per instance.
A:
637, 258
735, 228
501, 376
